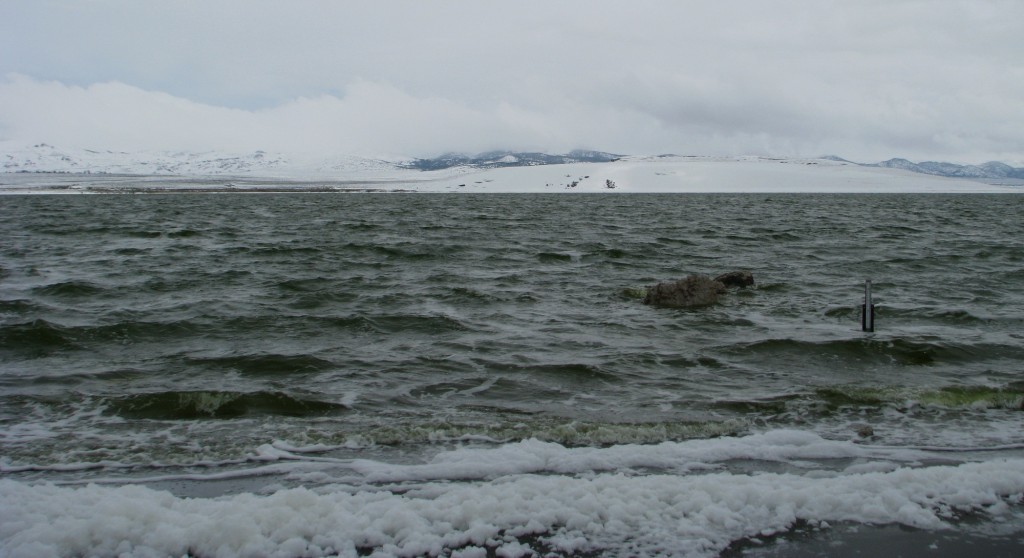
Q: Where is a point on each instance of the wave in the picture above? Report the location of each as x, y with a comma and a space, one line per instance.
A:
184, 233
922, 315
187, 281
676, 241
901, 351
854, 400
265, 364
617, 256
132, 251
186, 405
40, 338
391, 252
360, 226
120, 231
379, 323
566, 433
553, 257
974, 397
35, 339
423, 323
280, 250
774, 287
463, 293
319, 299
115, 375
518, 499
311, 285
70, 289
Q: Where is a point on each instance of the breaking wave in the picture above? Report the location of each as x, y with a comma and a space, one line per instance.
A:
520, 499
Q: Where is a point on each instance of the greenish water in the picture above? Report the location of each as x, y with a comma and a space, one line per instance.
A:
179, 334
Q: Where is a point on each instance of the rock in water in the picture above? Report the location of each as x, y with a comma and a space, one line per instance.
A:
690, 291
736, 279
864, 430
696, 290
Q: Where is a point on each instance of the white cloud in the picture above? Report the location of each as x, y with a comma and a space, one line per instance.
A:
115, 116
370, 119
866, 80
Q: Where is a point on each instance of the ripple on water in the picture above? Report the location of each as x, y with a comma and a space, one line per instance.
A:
495, 311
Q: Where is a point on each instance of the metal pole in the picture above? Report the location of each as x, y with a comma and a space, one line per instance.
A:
867, 311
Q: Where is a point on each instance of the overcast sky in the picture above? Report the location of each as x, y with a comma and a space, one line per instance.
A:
868, 80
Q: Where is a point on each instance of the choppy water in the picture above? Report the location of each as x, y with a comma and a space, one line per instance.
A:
362, 345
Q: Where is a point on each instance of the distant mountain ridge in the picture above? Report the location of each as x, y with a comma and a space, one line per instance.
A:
45, 158
498, 159
989, 170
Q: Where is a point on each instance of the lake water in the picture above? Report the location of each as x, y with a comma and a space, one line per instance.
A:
471, 375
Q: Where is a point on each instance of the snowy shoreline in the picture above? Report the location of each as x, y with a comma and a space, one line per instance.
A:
627, 175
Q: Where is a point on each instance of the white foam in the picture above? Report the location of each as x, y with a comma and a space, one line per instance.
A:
652, 515
572, 499
792, 447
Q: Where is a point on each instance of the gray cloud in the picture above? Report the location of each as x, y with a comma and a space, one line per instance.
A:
868, 80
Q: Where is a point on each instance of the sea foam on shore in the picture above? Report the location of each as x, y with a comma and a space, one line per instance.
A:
686, 506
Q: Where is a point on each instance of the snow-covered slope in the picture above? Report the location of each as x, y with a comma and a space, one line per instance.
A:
705, 174
29, 169
46, 158
989, 170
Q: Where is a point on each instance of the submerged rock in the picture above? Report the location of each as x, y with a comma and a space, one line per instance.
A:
742, 278
696, 290
693, 290
863, 430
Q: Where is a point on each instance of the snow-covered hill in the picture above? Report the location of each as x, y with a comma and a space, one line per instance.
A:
499, 159
989, 170
664, 174
45, 168
45, 158
681, 174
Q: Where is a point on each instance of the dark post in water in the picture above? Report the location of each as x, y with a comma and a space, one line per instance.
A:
867, 310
